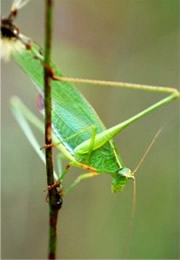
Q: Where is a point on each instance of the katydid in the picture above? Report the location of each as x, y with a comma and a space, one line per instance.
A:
79, 132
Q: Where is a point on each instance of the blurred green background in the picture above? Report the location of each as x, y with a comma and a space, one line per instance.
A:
126, 40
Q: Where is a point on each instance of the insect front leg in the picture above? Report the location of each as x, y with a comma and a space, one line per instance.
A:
80, 178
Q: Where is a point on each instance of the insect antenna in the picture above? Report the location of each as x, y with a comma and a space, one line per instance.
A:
131, 221
147, 150
133, 208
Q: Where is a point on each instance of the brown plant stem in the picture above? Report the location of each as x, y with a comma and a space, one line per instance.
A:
53, 209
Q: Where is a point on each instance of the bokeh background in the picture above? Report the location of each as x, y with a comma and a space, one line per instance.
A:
126, 40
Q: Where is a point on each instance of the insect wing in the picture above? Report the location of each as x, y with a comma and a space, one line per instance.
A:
71, 112
18, 4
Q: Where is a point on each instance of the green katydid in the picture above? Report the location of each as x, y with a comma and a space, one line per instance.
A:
78, 131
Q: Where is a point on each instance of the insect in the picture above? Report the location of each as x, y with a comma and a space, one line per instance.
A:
79, 133
11, 39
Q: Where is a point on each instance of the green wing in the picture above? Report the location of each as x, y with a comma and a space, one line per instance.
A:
71, 112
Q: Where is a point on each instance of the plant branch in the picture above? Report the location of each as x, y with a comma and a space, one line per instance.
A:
54, 197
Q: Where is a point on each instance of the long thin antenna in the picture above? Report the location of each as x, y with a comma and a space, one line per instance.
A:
147, 150
128, 237
131, 221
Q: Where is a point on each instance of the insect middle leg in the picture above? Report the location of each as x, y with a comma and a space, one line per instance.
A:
84, 176
91, 128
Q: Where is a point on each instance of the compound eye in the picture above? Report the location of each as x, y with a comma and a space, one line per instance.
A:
123, 175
